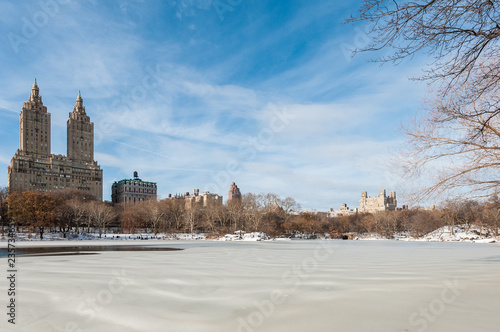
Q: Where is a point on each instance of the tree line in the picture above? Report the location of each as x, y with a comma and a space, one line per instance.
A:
74, 212
77, 212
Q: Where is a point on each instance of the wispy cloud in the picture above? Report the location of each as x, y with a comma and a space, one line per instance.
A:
175, 94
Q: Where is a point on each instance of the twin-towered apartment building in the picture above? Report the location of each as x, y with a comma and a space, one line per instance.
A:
35, 168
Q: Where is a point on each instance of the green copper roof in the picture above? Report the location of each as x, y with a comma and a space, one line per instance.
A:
133, 180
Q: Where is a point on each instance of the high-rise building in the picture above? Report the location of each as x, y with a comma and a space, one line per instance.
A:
134, 190
80, 134
33, 167
234, 194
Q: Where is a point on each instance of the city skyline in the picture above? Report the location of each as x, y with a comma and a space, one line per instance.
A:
265, 95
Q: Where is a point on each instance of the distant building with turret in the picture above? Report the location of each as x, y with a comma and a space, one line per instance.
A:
234, 194
378, 203
130, 191
34, 168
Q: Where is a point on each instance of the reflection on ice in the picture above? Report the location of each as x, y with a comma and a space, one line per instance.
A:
81, 249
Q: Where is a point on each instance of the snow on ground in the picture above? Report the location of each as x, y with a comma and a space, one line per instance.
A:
371, 237
461, 233
105, 237
277, 286
242, 236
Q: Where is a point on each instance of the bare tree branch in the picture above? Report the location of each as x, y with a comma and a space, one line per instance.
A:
459, 34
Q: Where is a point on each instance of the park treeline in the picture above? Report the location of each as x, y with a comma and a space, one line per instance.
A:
76, 212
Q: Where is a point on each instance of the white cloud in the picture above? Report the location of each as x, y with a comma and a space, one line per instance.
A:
186, 130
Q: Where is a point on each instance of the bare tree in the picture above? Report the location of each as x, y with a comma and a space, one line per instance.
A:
462, 35
79, 212
154, 214
455, 146
289, 206
101, 215
469, 214
68, 194
454, 213
461, 126
491, 213
217, 216
384, 223
268, 201
309, 223
253, 210
175, 213
235, 215
191, 219
420, 222
131, 218
72, 212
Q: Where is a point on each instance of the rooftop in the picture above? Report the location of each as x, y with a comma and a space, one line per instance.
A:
135, 180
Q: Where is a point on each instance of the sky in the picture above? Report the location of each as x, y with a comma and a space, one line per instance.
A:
197, 94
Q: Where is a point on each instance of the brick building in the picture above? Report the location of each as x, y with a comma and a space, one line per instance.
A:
234, 194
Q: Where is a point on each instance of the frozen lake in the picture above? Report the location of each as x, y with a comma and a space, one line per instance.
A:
261, 286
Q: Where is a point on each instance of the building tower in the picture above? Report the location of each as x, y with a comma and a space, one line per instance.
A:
378, 203
80, 134
33, 167
234, 193
35, 125
392, 203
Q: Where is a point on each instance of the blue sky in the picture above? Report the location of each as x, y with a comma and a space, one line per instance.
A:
201, 93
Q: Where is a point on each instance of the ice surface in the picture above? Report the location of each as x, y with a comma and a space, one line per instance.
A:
262, 286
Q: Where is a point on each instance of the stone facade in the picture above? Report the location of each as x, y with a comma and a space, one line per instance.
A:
33, 167
201, 200
343, 211
80, 134
378, 203
234, 193
130, 191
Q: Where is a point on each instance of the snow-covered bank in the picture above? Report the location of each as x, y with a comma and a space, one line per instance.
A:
462, 233
105, 237
242, 236
459, 233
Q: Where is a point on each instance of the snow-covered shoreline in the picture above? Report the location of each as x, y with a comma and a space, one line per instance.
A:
458, 233
461, 233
